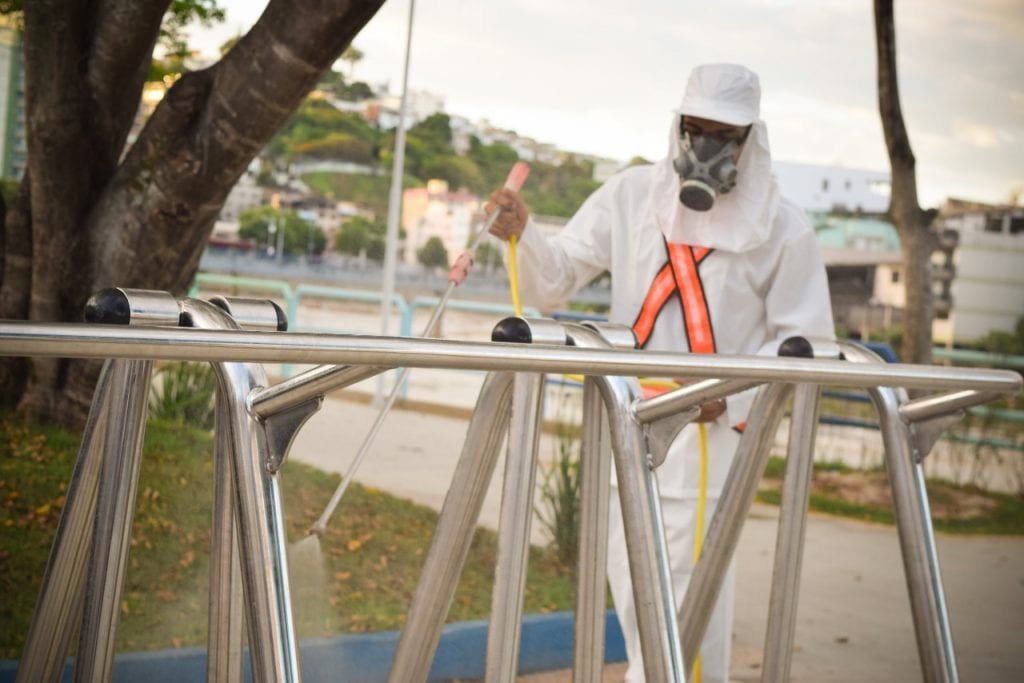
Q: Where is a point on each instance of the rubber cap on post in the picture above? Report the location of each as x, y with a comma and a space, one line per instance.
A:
796, 347
512, 329
108, 306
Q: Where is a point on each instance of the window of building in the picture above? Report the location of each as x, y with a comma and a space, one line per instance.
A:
993, 223
824, 184
1016, 225
895, 278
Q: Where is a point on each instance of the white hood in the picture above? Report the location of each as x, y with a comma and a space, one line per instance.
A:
740, 220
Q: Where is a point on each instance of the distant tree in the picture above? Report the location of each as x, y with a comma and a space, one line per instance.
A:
494, 160
356, 92
263, 225
352, 55
359, 233
559, 190
433, 254
317, 120
458, 172
172, 45
92, 212
226, 46
340, 146
489, 256
1009, 343
913, 225
435, 132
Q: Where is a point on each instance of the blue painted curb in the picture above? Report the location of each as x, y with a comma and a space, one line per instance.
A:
546, 645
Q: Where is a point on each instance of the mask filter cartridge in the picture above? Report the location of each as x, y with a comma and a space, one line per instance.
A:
706, 169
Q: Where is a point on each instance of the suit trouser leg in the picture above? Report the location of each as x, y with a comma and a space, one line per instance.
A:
679, 530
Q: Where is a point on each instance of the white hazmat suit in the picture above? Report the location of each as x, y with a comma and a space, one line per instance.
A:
753, 277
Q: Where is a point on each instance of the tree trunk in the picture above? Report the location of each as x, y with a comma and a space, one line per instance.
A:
912, 224
88, 218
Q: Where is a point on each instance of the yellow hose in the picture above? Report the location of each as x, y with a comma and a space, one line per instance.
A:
513, 276
702, 486
702, 500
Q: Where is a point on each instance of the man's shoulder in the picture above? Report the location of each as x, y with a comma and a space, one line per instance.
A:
630, 176
791, 222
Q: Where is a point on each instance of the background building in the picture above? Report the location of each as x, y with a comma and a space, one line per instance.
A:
13, 150
834, 189
434, 211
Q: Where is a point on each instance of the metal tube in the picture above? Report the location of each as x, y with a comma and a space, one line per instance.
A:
678, 400
295, 391
789, 544
661, 654
677, 669
454, 533
914, 526
59, 605
592, 558
943, 404
115, 504
226, 624
261, 540
724, 530
503, 635
917, 545
69, 340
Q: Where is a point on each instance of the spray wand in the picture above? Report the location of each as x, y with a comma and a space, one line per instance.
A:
456, 275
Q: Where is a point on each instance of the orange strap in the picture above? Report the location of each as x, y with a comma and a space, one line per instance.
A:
679, 276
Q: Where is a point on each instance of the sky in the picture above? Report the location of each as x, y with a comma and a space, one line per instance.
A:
603, 76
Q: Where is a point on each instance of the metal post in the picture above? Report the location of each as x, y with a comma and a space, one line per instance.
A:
262, 540
724, 531
60, 596
115, 505
644, 538
454, 533
789, 544
226, 624
395, 196
503, 636
595, 475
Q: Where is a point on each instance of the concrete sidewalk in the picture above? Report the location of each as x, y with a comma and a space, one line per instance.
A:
854, 614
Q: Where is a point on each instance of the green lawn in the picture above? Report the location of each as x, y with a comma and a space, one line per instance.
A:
372, 553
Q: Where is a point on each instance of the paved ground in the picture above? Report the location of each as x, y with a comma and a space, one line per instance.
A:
854, 621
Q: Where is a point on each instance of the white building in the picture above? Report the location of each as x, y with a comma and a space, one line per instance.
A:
987, 285
245, 195
433, 211
831, 189
383, 110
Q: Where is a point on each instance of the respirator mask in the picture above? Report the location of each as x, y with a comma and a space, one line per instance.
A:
706, 169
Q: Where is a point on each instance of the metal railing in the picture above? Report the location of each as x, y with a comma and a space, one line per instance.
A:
256, 424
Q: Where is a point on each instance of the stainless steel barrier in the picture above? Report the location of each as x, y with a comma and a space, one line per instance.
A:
256, 424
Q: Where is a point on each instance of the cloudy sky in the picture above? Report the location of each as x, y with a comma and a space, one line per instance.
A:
602, 76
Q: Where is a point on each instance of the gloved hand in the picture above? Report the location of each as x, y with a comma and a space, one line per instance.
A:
514, 213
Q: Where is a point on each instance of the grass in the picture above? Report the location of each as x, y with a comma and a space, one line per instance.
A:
372, 553
839, 490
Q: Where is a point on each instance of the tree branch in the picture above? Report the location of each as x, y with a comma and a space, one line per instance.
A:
125, 32
203, 135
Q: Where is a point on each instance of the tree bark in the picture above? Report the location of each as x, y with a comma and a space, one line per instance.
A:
93, 216
912, 224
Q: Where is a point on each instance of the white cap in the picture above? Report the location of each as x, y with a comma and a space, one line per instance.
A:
728, 93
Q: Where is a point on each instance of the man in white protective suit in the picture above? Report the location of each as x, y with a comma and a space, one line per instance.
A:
705, 256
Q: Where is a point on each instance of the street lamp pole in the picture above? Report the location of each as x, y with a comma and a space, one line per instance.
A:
395, 199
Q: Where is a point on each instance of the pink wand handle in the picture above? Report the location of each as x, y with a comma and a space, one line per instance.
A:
517, 176
460, 269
